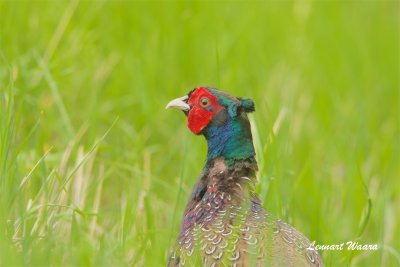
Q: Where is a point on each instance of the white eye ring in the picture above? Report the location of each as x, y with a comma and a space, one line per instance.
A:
204, 102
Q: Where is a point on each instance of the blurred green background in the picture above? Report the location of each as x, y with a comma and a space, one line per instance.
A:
94, 171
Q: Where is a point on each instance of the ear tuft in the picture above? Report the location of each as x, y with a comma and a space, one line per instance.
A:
233, 109
247, 104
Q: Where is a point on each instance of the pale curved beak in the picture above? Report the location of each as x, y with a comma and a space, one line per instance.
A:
179, 103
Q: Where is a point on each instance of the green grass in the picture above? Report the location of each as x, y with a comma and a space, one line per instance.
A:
94, 171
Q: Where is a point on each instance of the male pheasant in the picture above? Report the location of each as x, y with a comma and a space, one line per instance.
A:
224, 223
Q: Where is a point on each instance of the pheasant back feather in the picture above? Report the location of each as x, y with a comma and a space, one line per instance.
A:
229, 227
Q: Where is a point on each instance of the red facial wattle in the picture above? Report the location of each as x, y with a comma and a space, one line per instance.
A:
199, 117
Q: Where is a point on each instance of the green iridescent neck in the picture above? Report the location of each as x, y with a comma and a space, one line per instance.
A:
231, 141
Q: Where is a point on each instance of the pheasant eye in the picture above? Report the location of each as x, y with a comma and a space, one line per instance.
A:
204, 102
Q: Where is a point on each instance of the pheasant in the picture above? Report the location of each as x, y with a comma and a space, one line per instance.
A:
224, 223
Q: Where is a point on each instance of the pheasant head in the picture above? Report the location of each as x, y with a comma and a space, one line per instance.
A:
222, 119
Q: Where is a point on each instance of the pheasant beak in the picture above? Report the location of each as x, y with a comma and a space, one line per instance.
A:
179, 103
